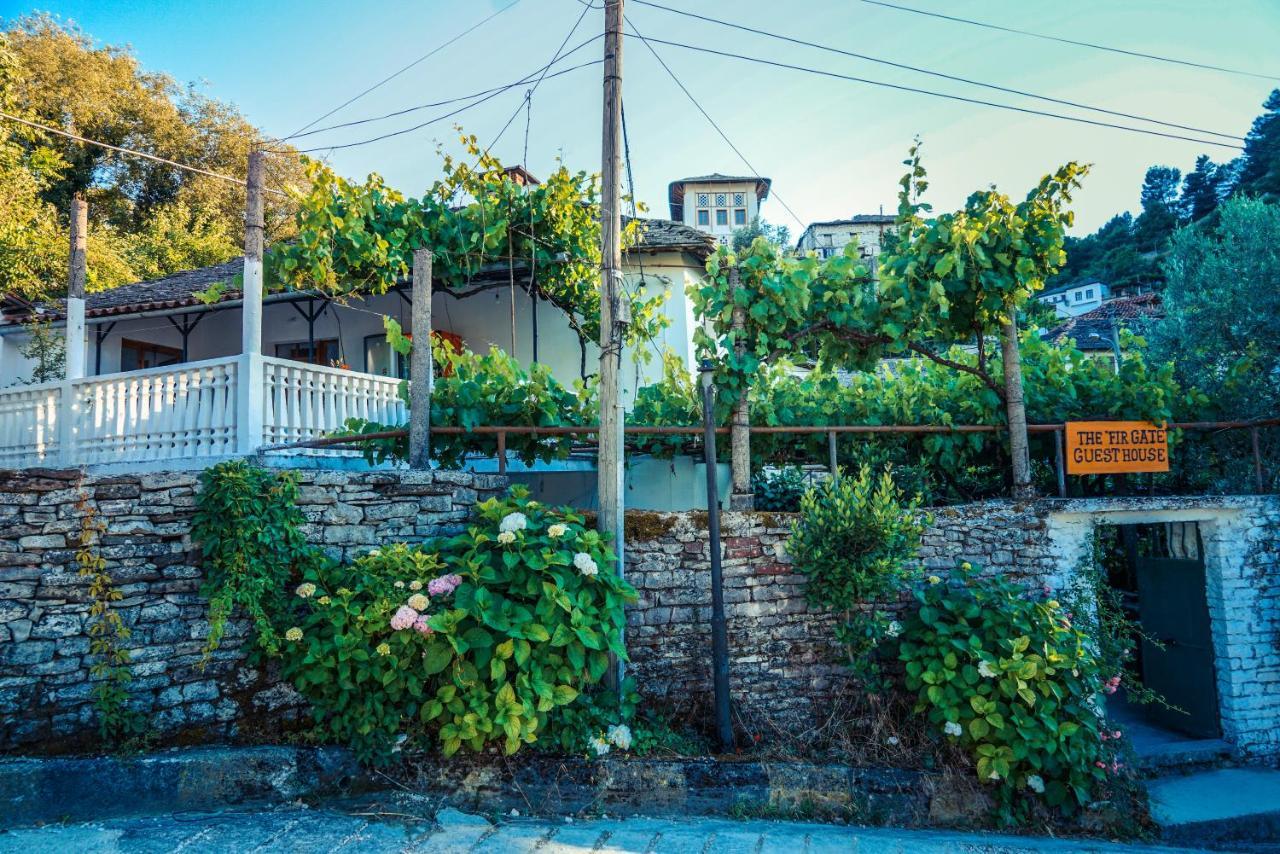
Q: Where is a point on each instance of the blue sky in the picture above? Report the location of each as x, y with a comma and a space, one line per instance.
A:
833, 148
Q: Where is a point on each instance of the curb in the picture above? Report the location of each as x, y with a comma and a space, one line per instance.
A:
35, 791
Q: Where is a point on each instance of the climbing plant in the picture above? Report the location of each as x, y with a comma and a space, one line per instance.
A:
479, 223
249, 529
108, 635
942, 280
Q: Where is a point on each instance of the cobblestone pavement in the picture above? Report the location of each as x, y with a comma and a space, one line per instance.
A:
296, 828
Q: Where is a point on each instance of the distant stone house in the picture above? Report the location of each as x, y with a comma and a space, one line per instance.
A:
1098, 331
717, 204
830, 238
1076, 298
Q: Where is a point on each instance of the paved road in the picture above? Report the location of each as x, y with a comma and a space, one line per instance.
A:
296, 828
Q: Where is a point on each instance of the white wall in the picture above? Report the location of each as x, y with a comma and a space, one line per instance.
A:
723, 233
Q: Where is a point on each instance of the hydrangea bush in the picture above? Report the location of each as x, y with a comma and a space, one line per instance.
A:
1000, 670
467, 642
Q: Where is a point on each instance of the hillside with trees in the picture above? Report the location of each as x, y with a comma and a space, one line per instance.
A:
1128, 250
146, 219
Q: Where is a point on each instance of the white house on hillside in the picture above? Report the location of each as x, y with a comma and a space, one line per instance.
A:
165, 381
830, 238
1076, 299
717, 204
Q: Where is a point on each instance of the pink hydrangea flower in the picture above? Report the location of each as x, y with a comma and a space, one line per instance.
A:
404, 618
420, 626
443, 585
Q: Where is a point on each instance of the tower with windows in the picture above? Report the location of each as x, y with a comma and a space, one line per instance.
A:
717, 204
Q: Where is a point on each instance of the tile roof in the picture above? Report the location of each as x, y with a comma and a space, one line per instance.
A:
176, 291
1093, 329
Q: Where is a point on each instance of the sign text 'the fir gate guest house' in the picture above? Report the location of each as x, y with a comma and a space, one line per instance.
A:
1116, 447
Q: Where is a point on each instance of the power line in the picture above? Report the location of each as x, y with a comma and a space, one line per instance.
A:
487, 96
447, 101
129, 151
396, 74
933, 73
930, 92
1062, 40
555, 58
755, 172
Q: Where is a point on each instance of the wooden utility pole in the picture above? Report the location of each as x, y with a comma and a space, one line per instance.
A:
1017, 411
613, 318
420, 364
250, 383
740, 497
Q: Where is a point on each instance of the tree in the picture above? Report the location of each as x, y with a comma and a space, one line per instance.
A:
778, 235
1159, 216
137, 207
1222, 301
1200, 190
1260, 174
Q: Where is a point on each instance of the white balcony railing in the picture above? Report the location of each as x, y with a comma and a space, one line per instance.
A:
29, 425
302, 401
194, 411
170, 413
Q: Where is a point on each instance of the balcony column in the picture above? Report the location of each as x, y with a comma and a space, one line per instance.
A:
68, 411
249, 379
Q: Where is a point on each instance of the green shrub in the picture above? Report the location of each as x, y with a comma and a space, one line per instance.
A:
248, 525
854, 542
471, 641
779, 490
1005, 675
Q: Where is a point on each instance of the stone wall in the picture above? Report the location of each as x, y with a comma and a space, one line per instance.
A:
782, 662
781, 668
45, 685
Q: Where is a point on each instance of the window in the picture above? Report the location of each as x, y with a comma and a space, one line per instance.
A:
1079, 296
740, 216
722, 216
136, 355
325, 351
720, 200
739, 199
380, 359
702, 200
1088, 294
704, 216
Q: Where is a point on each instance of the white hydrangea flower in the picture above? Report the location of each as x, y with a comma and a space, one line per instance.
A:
1036, 784
415, 585
506, 538
373, 552
418, 602
893, 629
620, 736
600, 746
985, 669
513, 522
557, 530
952, 728
306, 590
585, 564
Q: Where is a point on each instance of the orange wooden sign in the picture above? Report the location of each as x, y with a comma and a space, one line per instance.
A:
1116, 447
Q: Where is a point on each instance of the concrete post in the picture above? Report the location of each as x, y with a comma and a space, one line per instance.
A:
249, 379
68, 412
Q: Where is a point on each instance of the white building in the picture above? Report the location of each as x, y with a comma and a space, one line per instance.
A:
717, 204
1076, 299
164, 378
830, 238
